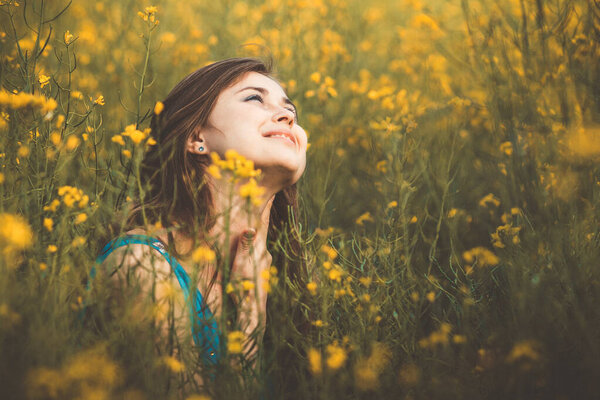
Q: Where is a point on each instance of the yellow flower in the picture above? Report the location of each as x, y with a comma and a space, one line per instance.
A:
459, 339
364, 217
247, 285
335, 275
229, 288
506, 148
489, 199
126, 153
158, 107
198, 397
430, 296
53, 206
173, 364
336, 357
78, 241
23, 151
99, 100
48, 223
330, 251
203, 254
81, 218
483, 256
68, 38
214, 171
72, 142
312, 288
118, 139
252, 191
15, 233
525, 349
134, 134
55, 138
315, 362
413, 219
392, 204
52, 248
43, 80
235, 341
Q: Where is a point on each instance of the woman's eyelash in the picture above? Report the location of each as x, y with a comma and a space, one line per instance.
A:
255, 97
259, 98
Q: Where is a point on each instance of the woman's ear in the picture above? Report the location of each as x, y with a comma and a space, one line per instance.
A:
197, 145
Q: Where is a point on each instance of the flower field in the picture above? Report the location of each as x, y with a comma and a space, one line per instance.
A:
449, 212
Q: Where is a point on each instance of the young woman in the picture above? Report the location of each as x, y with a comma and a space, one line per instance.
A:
234, 104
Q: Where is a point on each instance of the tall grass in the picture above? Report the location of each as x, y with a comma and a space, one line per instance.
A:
450, 216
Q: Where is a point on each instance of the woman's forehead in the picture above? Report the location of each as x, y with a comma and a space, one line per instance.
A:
257, 80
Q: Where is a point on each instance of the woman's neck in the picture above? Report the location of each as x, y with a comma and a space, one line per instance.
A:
234, 216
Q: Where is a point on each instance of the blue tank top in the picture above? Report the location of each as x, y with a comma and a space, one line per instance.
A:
204, 325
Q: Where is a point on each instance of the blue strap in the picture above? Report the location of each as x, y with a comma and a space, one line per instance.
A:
204, 325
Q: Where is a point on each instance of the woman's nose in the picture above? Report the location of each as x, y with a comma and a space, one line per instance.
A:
284, 115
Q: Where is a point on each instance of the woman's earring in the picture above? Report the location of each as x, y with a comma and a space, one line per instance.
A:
201, 148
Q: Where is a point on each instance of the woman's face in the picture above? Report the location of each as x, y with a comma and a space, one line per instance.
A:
255, 118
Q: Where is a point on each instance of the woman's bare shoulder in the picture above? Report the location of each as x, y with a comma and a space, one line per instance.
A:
137, 258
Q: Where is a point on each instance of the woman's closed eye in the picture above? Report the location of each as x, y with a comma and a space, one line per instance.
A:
260, 99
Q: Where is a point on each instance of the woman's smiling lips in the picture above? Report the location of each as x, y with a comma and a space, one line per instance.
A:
282, 135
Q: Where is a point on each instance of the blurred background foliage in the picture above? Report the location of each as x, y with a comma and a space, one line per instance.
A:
449, 206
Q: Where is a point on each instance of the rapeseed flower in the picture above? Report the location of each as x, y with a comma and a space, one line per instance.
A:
43, 80
336, 357
158, 107
482, 256
314, 361
364, 217
524, 350
252, 192
48, 224
203, 254
81, 218
15, 233
235, 340
173, 364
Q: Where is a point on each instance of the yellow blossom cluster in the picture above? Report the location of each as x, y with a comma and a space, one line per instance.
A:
70, 195
22, 100
88, 374
326, 87
269, 278
527, 350
439, 337
506, 233
149, 14
252, 192
239, 165
336, 358
203, 254
135, 135
368, 369
482, 256
15, 234
235, 342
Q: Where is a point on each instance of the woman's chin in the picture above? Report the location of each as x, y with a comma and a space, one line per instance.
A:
282, 174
